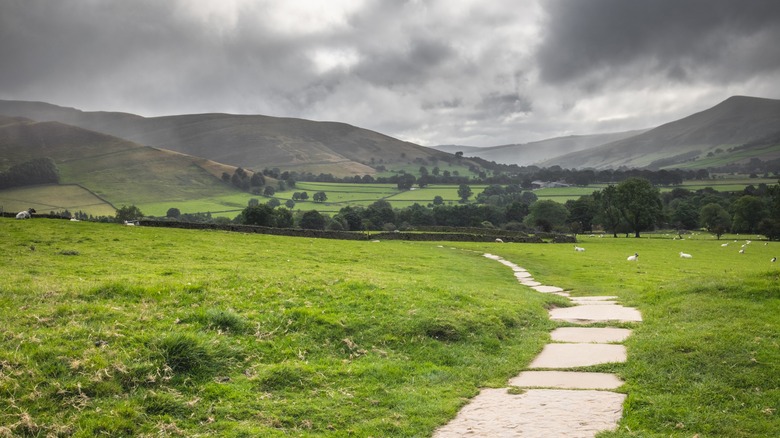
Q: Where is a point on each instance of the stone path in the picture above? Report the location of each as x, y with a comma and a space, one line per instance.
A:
547, 401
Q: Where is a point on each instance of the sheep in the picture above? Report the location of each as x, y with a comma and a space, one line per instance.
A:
724, 244
741, 251
633, 258
579, 248
26, 214
499, 241
774, 259
685, 256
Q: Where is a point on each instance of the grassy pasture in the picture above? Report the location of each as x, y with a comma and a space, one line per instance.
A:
52, 197
139, 331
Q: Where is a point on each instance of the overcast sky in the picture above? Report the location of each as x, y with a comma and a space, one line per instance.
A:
481, 72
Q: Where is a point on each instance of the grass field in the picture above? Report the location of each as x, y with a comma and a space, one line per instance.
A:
54, 198
160, 332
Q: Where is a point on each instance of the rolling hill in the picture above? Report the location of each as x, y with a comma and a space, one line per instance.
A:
250, 141
115, 170
735, 130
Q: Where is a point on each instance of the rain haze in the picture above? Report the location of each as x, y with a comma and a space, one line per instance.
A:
431, 72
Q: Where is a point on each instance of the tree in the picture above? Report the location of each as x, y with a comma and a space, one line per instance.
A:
312, 220
438, 200
406, 181
273, 203
257, 180
128, 213
269, 191
320, 197
607, 213
283, 218
639, 204
464, 192
253, 202
289, 203
715, 219
748, 210
173, 213
547, 215
262, 215
380, 213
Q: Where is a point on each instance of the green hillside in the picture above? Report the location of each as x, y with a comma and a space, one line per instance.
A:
734, 122
118, 171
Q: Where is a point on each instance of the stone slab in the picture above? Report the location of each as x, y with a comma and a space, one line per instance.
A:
518, 269
590, 334
565, 380
596, 313
530, 282
547, 289
523, 274
578, 355
597, 298
592, 303
537, 413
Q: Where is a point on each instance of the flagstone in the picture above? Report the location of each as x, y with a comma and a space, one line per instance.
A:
547, 289
590, 334
596, 313
565, 380
578, 355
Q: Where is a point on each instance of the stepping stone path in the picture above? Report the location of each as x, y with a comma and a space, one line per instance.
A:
551, 402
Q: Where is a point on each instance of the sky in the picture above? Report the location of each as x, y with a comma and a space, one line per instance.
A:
475, 73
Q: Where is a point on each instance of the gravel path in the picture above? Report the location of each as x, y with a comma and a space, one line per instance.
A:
549, 403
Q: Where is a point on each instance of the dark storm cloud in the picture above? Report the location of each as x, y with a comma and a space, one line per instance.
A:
689, 40
428, 71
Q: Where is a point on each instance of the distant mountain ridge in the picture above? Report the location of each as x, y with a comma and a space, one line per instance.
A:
252, 141
528, 154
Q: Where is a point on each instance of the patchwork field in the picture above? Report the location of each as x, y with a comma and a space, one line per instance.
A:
146, 331
54, 198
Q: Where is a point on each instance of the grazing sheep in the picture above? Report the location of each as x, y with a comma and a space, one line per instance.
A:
741, 251
499, 241
774, 259
724, 244
685, 256
633, 258
26, 214
579, 248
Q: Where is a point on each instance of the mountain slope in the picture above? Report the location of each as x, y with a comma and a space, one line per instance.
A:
119, 171
527, 154
250, 141
733, 122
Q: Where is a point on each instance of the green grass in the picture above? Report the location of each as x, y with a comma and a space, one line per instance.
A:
706, 359
142, 331
51, 197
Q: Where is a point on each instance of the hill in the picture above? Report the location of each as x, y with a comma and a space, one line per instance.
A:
116, 170
528, 154
724, 131
250, 141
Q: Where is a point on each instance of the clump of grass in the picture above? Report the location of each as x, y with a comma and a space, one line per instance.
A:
69, 252
226, 320
187, 354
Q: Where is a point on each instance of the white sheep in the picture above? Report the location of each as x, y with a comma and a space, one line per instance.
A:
685, 256
774, 259
26, 214
499, 241
741, 251
633, 258
724, 244
579, 248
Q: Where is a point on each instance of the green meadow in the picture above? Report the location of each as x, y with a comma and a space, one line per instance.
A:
113, 330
